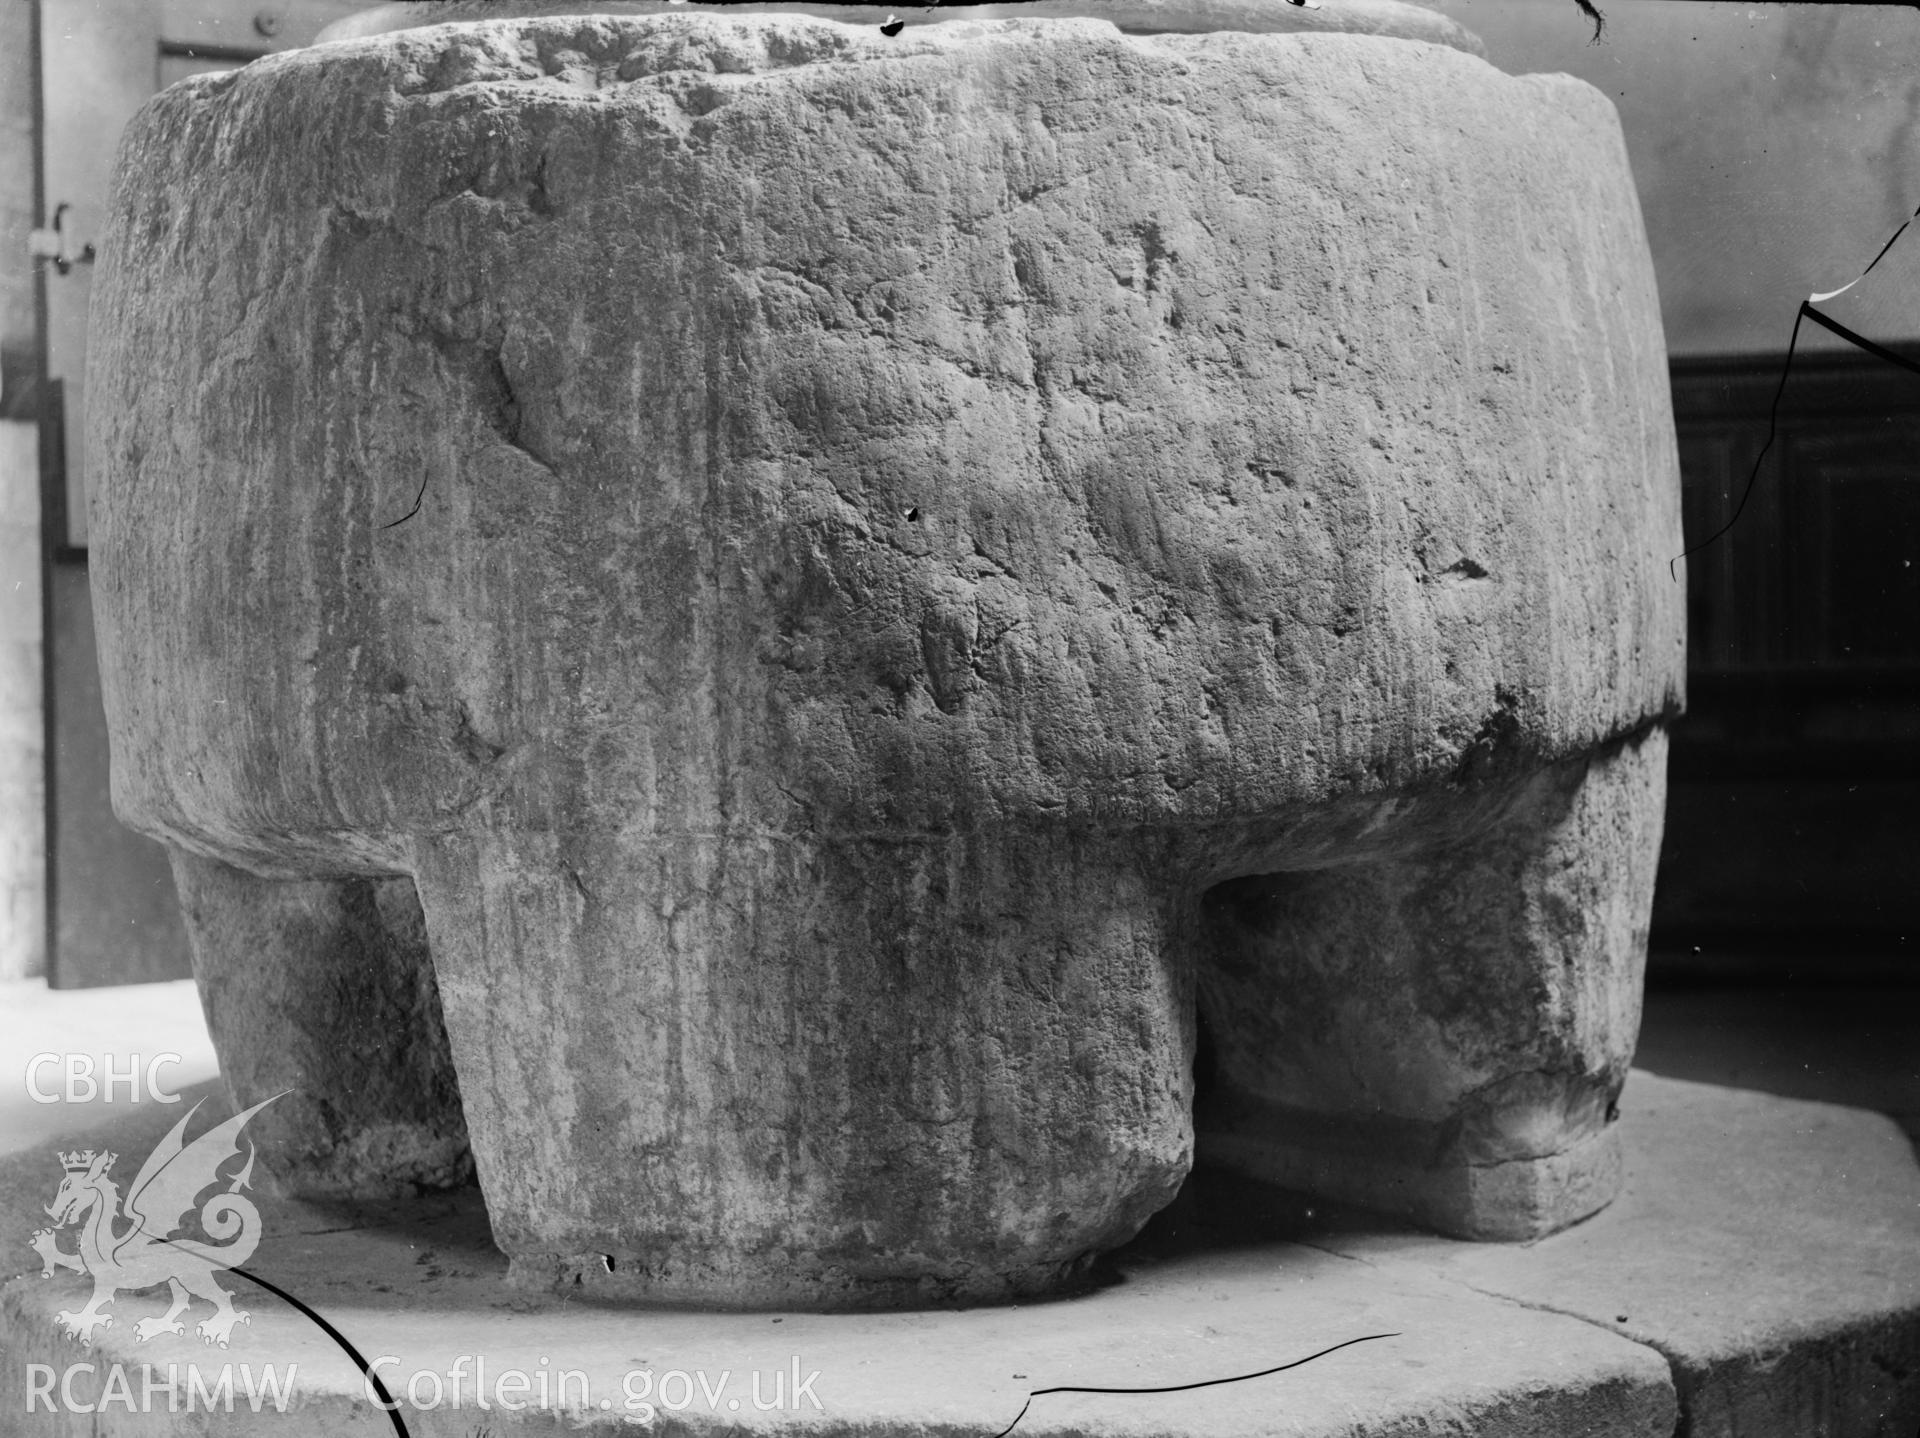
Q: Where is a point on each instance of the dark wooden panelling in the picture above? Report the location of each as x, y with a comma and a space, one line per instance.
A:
1758, 860
1796, 771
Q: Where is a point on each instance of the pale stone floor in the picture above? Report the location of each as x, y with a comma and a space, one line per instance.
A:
1754, 1232
1855, 1040
95, 1024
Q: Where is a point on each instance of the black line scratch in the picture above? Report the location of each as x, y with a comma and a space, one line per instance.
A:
1187, 1387
387, 1400
345, 1345
416, 506
1806, 312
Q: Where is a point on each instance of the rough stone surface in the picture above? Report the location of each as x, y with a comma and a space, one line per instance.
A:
815, 551
1138, 17
323, 992
1444, 1033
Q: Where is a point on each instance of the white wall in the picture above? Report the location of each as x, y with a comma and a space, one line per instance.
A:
1776, 148
22, 825
23, 913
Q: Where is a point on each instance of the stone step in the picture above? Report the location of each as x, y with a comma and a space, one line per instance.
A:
1759, 1276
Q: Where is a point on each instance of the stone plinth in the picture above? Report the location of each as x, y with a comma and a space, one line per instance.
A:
1759, 1276
855, 575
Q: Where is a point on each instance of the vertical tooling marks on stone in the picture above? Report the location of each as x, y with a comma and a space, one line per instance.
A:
489, 388
1032, 683
477, 370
